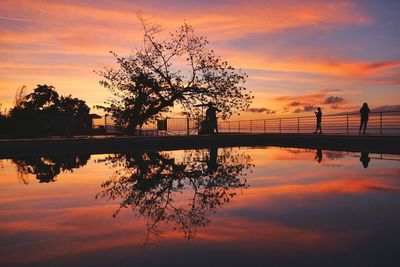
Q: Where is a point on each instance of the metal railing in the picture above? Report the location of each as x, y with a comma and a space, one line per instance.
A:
379, 123
175, 126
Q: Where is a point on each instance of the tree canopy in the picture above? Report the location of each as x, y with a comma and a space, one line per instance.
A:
180, 70
44, 112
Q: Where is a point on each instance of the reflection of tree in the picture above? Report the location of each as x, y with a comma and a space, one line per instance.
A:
154, 183
46, 169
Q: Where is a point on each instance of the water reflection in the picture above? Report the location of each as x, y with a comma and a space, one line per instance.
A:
364, 156
318, 155
302, 212
47, 168
179, 192
365, 159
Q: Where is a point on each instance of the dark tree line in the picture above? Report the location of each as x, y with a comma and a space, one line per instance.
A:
150, 183
44, 112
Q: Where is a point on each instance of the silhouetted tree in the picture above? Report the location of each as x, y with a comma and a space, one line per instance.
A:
3, 119
44, 112
43, 97
181, 70
77, 109
150, 182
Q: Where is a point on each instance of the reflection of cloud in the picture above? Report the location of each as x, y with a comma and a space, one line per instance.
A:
338, 186
334, 154
66, 230
275, 236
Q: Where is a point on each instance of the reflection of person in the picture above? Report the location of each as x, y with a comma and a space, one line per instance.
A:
318, 155
364, 112
318, 115
365, 159
212, 163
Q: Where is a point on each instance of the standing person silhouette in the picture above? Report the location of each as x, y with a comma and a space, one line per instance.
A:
318, 115
211, 117
210, 122
364, 112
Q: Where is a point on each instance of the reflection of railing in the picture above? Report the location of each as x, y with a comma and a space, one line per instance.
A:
380, 123
332, 154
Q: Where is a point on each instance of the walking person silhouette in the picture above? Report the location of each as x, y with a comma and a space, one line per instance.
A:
364, 112
318, 115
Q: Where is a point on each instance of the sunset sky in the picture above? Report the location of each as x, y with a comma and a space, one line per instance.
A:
298, 54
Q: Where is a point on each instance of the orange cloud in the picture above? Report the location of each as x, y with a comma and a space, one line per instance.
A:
231, 20
332, 67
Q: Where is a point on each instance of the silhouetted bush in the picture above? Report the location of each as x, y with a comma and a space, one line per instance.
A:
44, 113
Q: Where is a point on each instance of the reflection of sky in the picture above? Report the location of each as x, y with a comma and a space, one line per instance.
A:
296, 210
287, 47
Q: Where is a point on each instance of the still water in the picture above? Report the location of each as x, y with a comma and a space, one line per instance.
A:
212, 207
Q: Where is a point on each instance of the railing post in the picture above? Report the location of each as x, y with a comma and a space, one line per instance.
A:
265, 125
187, 126
380, 122
347, 123
280, 125
251, 126
105, 123
298, 124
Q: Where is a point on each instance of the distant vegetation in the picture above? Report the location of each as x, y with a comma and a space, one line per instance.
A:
44, 112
